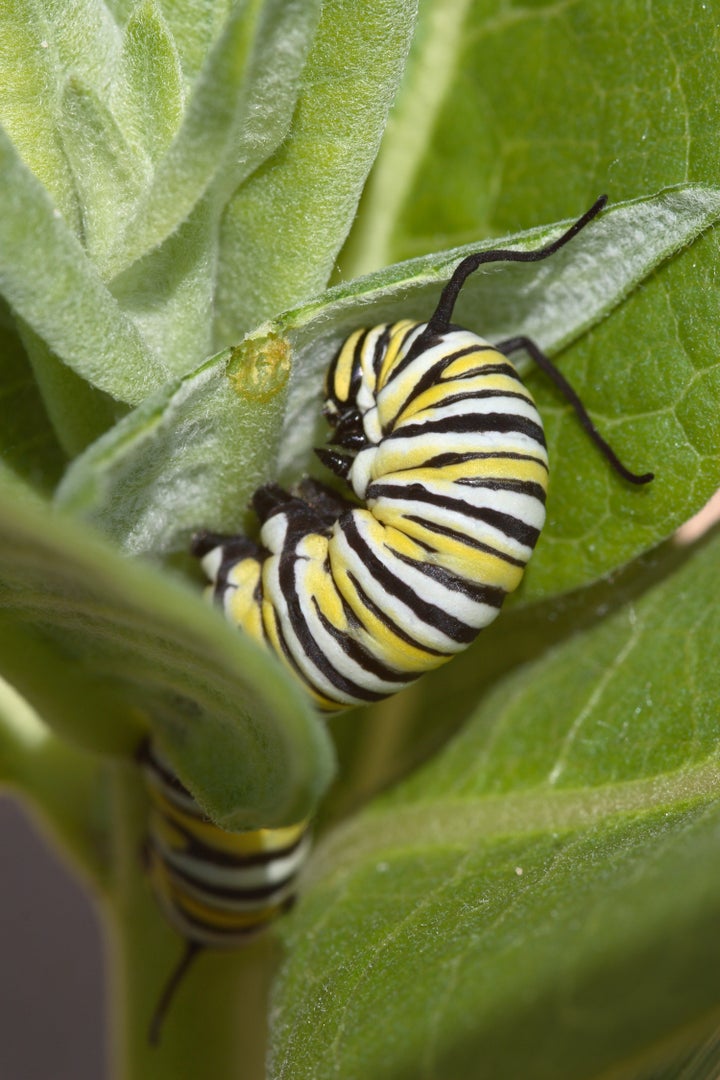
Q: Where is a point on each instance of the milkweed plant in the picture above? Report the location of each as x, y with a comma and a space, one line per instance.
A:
515, 865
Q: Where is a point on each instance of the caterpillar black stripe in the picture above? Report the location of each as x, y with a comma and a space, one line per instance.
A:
443, 450
218, 889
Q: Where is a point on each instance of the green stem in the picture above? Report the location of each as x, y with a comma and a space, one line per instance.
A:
62, 786
216, 1025
71, 699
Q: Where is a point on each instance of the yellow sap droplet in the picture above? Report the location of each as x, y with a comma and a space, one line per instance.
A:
259, 368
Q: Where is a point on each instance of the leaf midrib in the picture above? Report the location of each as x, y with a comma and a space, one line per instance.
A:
453, 820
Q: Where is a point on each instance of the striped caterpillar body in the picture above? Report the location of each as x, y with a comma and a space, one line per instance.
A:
443, 450
218, 889
360, 600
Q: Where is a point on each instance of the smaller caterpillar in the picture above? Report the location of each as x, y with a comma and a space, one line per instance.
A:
444, 453
218, 889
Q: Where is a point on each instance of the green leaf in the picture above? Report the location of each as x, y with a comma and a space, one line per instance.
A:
483, 138
283, 38
57, 291
669, 381
282, 231
195, 26
645, 95
215, 132
152, 481
550, 873
150, 95
39, 45
434, 65
168, 294
509, 117
426, 715
700, 1064
108, 175
78, 412
197, 150
105, 648
27, 443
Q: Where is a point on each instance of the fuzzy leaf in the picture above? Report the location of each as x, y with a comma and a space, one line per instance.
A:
215, 131
109, 176
195, 26
284, 35
60, 294
39, 45
106, 648
282, 231
27, 444
169, 293
550, 873
150, 96
152, 481
197, 150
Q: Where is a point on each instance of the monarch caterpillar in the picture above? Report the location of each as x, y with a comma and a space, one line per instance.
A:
444, 452
443, 449
218, 889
